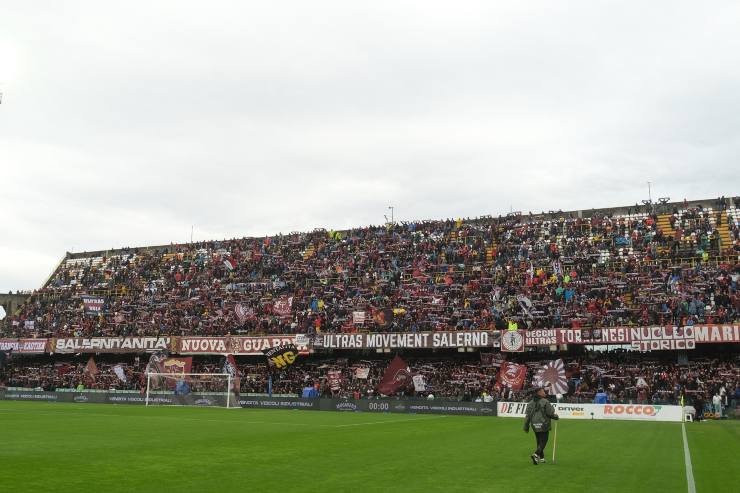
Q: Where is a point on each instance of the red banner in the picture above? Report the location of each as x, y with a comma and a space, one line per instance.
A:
23, 345
645, 338
512, 375
238, 345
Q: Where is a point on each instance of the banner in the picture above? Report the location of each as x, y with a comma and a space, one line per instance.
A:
177, 366
383, 318
411, 340
362, 373
551, 376
491, 359
334, 379
512, 375
282, 356
282, 306
512, 341
23, 345
635, 412
263, 402
109, 344
641, 338
358, 318
419, 383
239, 345
93, 305
396, 377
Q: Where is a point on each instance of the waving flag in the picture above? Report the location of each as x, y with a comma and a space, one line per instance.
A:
552, 377
120, 372
91, 369
229, 263
243, 313
396, 377
512, 375
229, 365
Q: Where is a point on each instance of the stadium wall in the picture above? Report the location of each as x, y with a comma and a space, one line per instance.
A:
210, 399
627, 412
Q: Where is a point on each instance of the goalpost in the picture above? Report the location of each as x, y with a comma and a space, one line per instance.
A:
191, 389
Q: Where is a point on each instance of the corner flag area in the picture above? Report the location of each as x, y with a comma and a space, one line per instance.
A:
69, 447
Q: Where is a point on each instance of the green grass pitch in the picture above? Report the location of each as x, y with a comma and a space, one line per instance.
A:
109, 448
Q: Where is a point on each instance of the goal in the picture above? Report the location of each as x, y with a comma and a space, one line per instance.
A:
191, 389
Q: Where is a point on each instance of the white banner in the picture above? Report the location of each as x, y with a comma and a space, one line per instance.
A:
639, 412
419, 383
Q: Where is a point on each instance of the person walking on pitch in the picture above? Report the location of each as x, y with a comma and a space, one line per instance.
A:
539, 414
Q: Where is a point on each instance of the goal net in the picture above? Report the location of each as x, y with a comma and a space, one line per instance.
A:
191, 389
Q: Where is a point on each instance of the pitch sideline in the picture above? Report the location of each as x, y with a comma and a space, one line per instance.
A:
687, 461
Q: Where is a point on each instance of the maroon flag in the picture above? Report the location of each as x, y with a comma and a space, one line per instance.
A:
512, 375
552, 377
396, 377
91, 369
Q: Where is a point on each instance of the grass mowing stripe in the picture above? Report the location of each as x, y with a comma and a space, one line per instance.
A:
687, 460
390, 421
206, 420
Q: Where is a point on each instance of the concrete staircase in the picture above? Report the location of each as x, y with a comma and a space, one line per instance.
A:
309, 252
664, 223
725, 240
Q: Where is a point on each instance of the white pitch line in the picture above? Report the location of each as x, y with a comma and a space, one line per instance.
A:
687, 460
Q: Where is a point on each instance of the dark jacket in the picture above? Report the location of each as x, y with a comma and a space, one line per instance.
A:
539, 414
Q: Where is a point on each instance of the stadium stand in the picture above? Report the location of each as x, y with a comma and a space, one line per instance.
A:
676, 266
656, 265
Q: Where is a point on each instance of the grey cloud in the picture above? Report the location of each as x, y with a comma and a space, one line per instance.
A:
125, 124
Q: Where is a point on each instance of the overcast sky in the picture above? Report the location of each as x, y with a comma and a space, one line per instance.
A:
124, 123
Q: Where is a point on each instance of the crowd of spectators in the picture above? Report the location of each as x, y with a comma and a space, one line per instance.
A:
551, 270
623, 376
